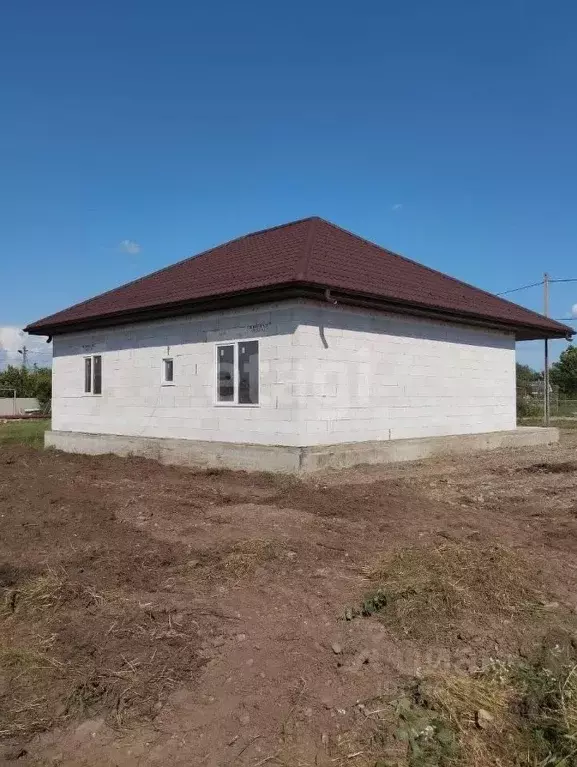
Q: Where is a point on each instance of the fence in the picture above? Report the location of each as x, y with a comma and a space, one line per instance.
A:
534, 407
17, 405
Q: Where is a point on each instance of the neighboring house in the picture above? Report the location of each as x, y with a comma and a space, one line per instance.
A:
264, 351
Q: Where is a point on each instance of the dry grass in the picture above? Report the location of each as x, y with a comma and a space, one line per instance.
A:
455, 700
519, 713
422, 592
27, 666
245, 557
34, 595
516, 713
68, 651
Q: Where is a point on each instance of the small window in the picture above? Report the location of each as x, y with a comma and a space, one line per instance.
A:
225, 373
167, 371
93, 374
237, 372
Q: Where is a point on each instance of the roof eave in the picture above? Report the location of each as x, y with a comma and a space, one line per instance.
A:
165, 311
523, 332
295, 290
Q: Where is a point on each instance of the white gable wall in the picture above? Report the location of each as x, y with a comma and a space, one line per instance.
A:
327, 375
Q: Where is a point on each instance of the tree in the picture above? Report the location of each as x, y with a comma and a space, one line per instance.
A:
564, 373
42, 386
27, 383
15, 378
525, 377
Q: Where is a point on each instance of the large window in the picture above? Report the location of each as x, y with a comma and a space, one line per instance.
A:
93, 374
237, 373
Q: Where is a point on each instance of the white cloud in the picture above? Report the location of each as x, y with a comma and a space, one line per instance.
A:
12, 339
396, 207
574, 310
129, 246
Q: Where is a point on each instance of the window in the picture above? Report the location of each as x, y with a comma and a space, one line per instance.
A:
97, 374
237, 373
225, 373
93, 374
248, 373
167, 371
88, 375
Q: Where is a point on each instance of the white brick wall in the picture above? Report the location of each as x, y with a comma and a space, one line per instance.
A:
133, 401
372, 376
327, 375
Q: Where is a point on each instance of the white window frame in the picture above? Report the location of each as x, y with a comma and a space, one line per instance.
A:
235, 344
91, 393
164, 381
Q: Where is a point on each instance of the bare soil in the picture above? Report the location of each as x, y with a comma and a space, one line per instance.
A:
157, 615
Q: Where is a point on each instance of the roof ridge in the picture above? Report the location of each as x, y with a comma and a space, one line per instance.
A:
303, 264
271, 229
430, 268
183, 261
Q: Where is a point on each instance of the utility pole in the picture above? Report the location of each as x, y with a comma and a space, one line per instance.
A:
23, 351
546, 401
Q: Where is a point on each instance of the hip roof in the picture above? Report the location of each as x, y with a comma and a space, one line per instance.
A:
307, 257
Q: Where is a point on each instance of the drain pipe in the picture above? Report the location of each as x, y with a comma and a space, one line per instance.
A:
329, 298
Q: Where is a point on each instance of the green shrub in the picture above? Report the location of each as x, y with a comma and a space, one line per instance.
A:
528, 407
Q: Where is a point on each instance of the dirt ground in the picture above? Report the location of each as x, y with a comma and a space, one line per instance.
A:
209, 618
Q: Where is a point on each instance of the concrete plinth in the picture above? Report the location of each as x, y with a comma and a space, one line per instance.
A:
293, 459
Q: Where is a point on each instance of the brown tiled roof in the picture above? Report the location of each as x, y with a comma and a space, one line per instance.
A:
311, 254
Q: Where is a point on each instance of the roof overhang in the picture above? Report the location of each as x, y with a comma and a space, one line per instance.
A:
291, 291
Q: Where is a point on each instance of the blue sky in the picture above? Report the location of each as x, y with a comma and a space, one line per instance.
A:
136, 133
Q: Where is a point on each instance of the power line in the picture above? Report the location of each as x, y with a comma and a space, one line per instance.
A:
523, 287
534, 285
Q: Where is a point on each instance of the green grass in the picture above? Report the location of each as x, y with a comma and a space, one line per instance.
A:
24, 432
560, 423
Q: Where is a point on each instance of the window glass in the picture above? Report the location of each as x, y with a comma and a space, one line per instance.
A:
97, 375
168, 371
225, 373
248, 373
88, 375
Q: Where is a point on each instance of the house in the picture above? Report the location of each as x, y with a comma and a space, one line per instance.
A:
291, 348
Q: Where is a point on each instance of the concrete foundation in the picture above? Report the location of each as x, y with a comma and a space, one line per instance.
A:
293, 459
